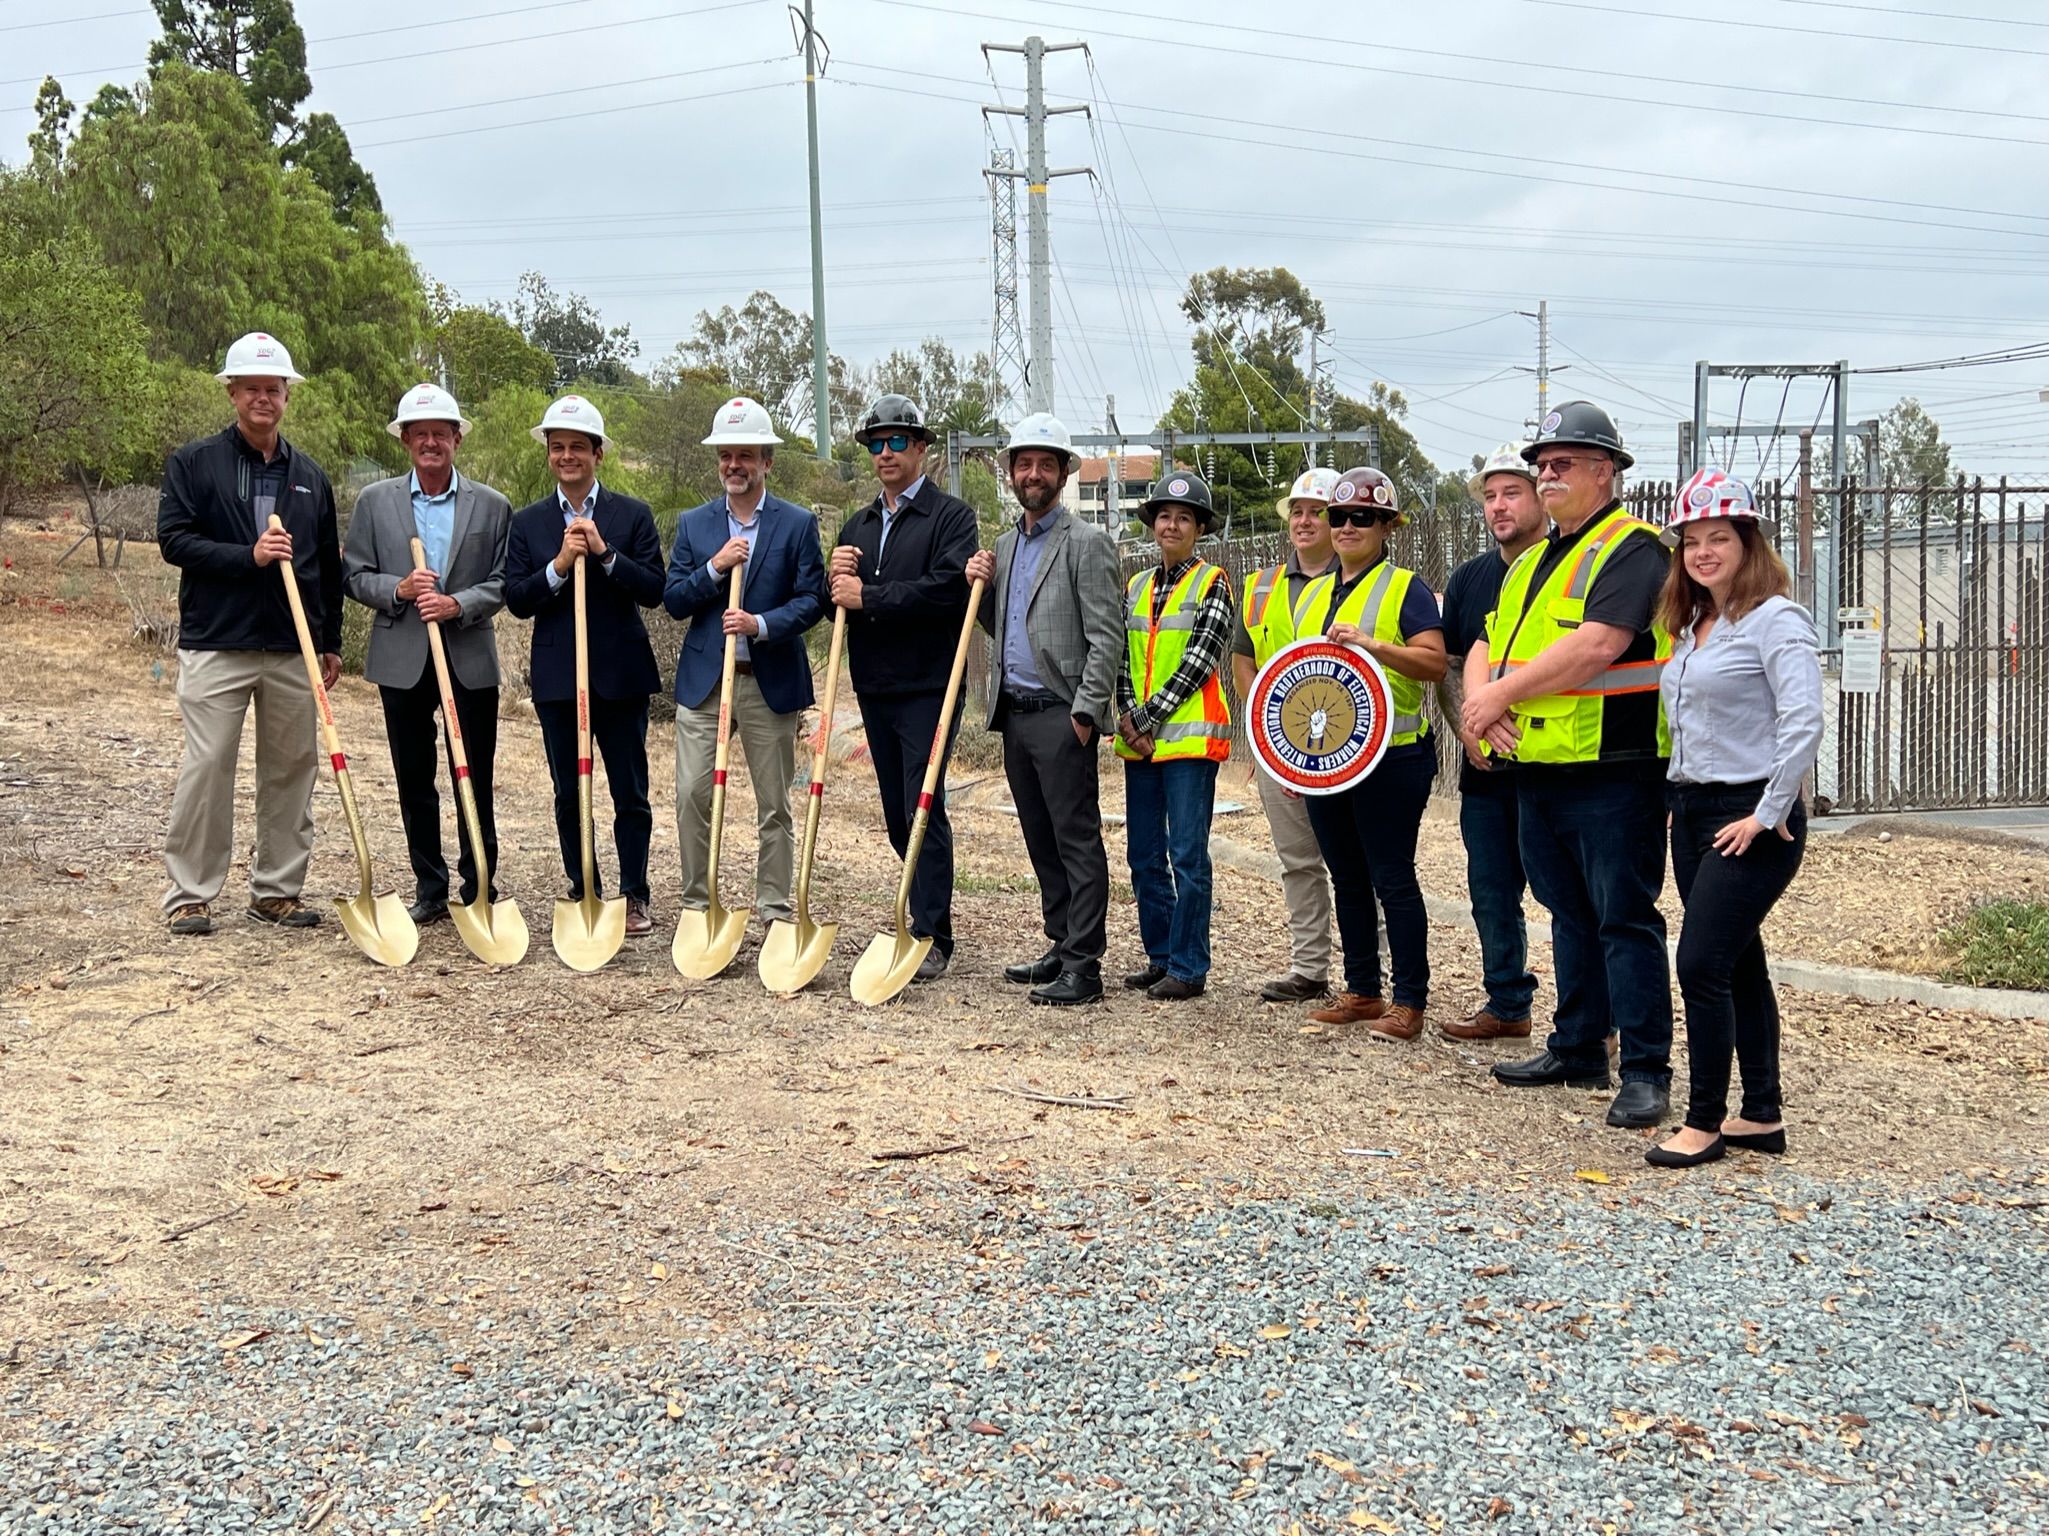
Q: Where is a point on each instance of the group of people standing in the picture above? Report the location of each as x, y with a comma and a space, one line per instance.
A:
1601, 691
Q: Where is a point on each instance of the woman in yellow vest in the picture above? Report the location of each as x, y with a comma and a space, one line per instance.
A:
1368, 832
1173, 729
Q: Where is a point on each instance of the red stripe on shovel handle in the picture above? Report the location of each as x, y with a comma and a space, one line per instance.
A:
340, 761
718, 778
583, 767
462, 772
817, 790
925, 802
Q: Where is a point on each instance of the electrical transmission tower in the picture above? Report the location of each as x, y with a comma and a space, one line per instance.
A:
1007, 359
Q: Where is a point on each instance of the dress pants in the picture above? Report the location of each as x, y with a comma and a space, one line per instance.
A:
1053, 781
412, 728
901, 728
1368, 836
769, 743
1305, 883
215, 689
619, 736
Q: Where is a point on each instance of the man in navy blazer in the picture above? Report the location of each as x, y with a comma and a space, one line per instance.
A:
782, 594
615, 537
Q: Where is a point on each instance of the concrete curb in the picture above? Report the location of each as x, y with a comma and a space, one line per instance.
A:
1807, 975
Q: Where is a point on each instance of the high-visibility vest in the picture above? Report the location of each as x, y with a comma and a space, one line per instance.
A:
1270, 623
1375, 605
1201, 727
1571, 727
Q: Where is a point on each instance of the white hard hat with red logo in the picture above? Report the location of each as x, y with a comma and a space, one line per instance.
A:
572, 413
742, 423
1710, 493
257, 356
427, 402
1311, 485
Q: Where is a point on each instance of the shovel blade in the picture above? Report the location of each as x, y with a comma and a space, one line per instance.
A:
589, 932
707, 941
494, 930
380, 927
887, 966
793, 953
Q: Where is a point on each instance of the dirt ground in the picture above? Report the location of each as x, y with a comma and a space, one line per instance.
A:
311, 1117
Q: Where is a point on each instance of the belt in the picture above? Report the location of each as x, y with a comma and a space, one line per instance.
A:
1032, 703
744, 668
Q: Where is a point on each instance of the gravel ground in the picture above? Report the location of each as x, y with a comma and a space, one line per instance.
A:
1723, 1354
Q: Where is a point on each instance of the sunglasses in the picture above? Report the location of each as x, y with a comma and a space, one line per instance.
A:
896, 442
1562, 464
1352, 517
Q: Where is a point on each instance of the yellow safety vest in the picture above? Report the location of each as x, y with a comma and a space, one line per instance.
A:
1375, 605
1569, 727
1270, 624
1201, 727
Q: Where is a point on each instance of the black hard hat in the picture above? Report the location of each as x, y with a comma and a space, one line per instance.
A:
1181, 488
1580, 424
1368, 487
894, 413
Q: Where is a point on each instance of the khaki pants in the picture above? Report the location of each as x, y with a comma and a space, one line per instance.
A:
769, 741
214, 692
1305, 885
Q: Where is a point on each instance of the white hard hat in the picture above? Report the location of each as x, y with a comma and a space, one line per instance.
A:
1506, 460
742, 423
572, 413
1043, 429
1310, 485
428, 402
257, 356
1710, 493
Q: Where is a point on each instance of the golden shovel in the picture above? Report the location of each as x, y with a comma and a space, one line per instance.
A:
892, 959
588, 932
793, 953
493, 930
380, 925
707, 941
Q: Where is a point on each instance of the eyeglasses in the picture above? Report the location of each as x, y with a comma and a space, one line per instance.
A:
1563, 464
896, 442
1352, 517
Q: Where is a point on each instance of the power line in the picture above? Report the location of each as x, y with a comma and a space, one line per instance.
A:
2028, 352
574, 90
1893, 10
1772, 26
561, 117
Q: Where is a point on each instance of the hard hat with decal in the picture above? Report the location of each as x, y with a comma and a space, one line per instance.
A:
427, 402
1180, 488
1508, 459
1580, 424
742, 423
1369, 487
894, 413
1710, 493
1311, 485
572, 413
1044, 430
257, 356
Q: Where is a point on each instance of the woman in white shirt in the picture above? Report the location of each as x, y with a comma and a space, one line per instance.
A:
1742, 695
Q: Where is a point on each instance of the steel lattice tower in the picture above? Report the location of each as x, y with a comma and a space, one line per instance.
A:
1006, 333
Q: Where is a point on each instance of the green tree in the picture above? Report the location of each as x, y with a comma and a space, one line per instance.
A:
500, 450
763, 348
53, 129
1911, 448
484, 352
257, 42
569, 329
1258, 317
322, 147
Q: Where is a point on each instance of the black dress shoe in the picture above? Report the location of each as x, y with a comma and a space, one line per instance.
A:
1639, 1105
1545, 1070
1035, 972
1294, 988
1069, 988
1773, 1142
933, 966
1138, 981
1172, 989
424, 912
1659, 1157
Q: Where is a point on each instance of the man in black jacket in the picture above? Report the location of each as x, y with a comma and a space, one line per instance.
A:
615, 537
237, 642
899, 571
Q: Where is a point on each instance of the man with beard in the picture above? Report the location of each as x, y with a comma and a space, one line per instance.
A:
1051, 604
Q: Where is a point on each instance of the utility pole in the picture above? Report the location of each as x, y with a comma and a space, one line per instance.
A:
1037, 177
1315, 415
821, 395
1008, 364
1543, 370
1113, 462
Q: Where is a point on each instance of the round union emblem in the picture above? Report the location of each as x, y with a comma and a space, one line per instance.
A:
1551, 422
1701, 496
1345, 491
1177, 487
1319, 716
1382, 496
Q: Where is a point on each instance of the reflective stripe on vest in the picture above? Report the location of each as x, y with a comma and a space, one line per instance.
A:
1378, 611
1201, 727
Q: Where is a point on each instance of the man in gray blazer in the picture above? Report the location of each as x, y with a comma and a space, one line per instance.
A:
465, 528
1054, 608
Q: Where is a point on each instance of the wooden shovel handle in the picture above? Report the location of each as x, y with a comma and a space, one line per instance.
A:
726, 675
448, 714
953, 682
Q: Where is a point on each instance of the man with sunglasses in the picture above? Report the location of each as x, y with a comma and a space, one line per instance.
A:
1565, 684
899, 570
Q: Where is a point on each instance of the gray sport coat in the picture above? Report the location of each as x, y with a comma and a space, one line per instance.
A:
378, 552
1075, 621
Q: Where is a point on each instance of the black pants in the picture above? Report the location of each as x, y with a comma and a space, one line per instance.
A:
619, 736
1728, 992
411, 729
900, 729
1054, 784
1368, 838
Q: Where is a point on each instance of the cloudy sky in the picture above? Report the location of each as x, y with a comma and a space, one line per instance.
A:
1780, 181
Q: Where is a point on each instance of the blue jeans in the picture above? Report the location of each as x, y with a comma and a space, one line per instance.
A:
1368, 838
1166, 838
1494, 879
1593, 844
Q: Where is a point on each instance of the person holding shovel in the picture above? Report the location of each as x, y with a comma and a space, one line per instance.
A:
465, 529
238, 644
782, 588
615, 537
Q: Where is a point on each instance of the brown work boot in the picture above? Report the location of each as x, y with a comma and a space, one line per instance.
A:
1350, 1008
1486, 1025
192, 918
1401, 1022
640, 922
283, 912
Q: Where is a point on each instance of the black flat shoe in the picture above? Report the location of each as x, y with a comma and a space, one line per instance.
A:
1639, 1106
1035, 973
1773, 1142
1713, 1152
1138, 981
1069, 988
1545, 1070
424, 912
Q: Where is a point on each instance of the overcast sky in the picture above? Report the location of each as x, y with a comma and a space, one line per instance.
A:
1788, 181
